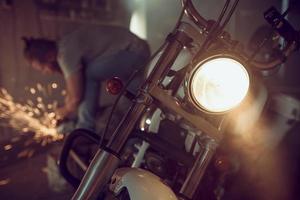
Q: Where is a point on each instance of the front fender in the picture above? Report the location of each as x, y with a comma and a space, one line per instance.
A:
140, 184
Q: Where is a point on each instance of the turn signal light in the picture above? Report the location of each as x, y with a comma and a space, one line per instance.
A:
114, 86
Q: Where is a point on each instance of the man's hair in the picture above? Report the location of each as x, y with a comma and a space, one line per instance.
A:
38, 48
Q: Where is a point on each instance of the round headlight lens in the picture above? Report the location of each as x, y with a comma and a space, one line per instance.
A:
219, 84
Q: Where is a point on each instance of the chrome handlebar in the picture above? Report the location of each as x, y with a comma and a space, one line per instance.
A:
192, 13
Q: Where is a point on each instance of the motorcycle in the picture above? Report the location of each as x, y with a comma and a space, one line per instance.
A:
202, 81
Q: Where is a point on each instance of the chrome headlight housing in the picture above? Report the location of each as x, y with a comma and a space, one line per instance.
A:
218, 83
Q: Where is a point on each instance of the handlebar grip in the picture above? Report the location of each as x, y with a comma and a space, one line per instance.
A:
281, 25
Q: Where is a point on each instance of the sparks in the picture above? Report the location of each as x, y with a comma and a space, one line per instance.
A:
32, 90
7, 147
30, 117
54, 85
4, 182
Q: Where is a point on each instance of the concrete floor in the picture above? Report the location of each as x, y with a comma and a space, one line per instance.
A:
30, 172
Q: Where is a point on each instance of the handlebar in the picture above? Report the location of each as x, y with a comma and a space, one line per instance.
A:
192, 13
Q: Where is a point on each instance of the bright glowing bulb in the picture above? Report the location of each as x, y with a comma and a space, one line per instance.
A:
220, 84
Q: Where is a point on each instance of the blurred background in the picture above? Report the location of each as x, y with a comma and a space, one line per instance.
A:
26, 164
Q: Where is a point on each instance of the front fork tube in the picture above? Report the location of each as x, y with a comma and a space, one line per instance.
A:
95, 179
194, 177
106, 161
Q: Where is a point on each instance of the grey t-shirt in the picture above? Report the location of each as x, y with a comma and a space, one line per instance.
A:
88, 43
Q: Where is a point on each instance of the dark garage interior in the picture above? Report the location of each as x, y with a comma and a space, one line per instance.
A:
262, 160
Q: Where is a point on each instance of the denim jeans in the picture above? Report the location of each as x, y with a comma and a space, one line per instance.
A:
122, 65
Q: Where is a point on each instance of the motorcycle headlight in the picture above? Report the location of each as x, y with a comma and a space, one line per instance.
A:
218, 84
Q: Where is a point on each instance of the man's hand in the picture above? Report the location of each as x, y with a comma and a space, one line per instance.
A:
74, 88
62, 113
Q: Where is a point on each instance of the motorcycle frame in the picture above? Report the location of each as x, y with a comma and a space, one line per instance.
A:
106, 160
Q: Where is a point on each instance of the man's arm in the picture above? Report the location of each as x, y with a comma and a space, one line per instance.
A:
74, 87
